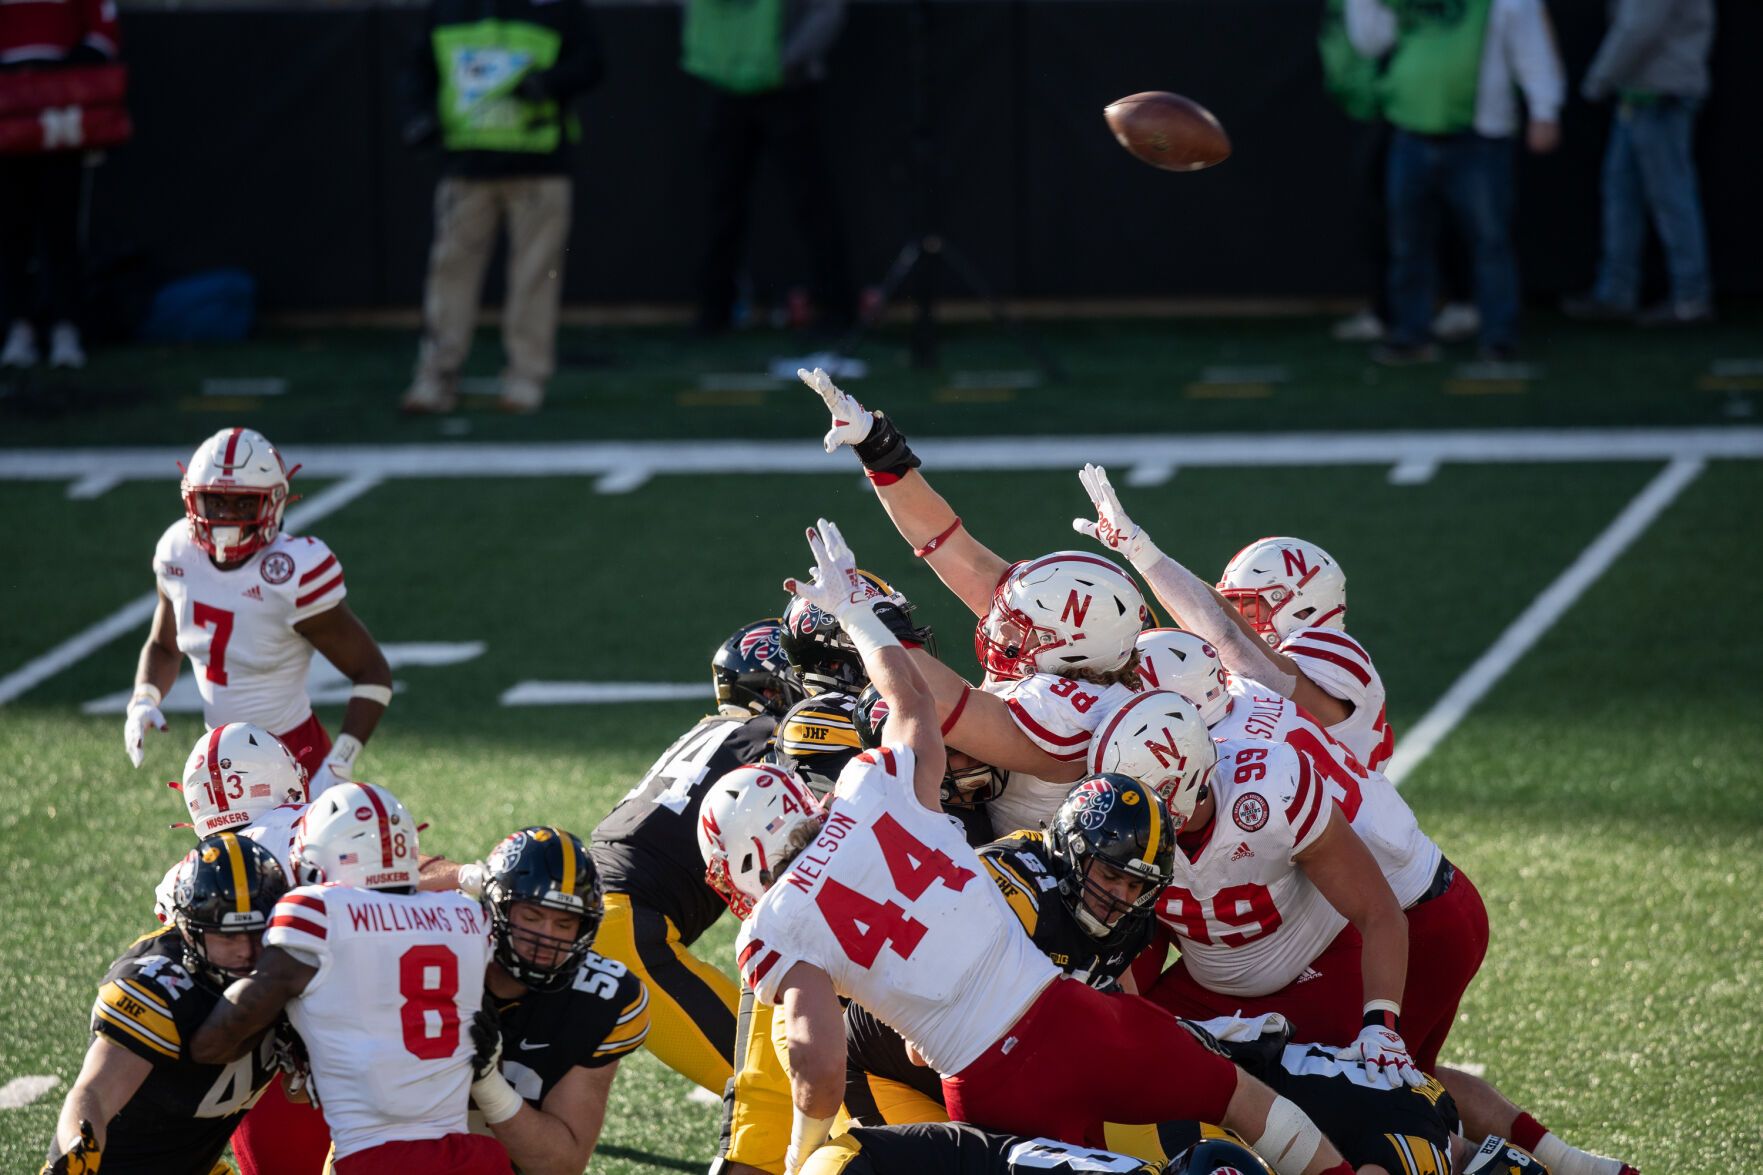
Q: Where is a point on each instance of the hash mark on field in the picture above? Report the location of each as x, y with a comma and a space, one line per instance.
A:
596, 693
623, 481
22, 1091
1414, 471
95, 486
1151, 473
1549, 606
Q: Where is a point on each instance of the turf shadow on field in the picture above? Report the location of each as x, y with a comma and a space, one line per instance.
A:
653, 1160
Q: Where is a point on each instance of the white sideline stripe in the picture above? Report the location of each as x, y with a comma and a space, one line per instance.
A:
953, 454
22, 1091
140, 610
595, 693
1540, 616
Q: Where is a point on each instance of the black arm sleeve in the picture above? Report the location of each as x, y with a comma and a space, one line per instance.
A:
581, 63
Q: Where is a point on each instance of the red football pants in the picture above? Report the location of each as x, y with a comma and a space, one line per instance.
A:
454, 1154
1447, 940
280, 1137
1325, 1004
1155, 1071
308, 743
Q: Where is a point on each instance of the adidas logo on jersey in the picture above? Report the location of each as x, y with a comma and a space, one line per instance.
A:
253, 592
1243, 850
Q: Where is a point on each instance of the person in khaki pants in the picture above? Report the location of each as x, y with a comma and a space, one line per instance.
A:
492, 81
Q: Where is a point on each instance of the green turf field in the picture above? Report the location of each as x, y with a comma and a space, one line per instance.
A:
1604, 796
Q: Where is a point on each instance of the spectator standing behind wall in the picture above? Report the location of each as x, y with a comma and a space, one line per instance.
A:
493, 81
42, 192
762, 63
1654, 60
1448, 88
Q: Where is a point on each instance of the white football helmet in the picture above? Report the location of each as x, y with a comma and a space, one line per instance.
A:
1159, 740
236, 773
1173, 659
356, 834
1064, 611
235, 463
748, 824
1283, 584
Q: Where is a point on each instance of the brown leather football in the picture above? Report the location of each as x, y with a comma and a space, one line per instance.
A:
1168, 131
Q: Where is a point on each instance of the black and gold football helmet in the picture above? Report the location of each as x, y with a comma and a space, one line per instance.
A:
549, 868
227, 885
1120, 822
751, 673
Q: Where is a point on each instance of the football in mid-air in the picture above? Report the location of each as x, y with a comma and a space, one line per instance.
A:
1168, 131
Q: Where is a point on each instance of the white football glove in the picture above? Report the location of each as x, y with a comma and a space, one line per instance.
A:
143, 714
1383, 1051
836, 587
338, 766
851, 421
1112, 528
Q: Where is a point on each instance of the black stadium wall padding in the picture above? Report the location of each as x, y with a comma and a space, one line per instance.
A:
268, 138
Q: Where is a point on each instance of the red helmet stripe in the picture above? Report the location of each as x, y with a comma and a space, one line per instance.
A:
379, 808
232, 446
216, 786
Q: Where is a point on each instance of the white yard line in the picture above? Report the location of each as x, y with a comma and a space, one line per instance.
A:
22, 1091
1541, 616
967, 454
137, 612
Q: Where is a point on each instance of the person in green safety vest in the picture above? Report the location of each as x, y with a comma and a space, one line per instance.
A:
761, 64
491, 83
1449, 74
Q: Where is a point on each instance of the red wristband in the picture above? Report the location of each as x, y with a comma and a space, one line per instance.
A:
954, 526
955, 714
879, 478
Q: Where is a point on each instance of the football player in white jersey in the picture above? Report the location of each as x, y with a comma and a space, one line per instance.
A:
1055, 634
240, 778
1289, 642
249, 605
1274, 892
889, 906
1447, 921
381, 983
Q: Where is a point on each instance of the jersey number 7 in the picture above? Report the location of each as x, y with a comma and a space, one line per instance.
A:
863, 925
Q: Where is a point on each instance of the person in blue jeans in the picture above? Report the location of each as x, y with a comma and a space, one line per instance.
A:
1449, 82
1654, 59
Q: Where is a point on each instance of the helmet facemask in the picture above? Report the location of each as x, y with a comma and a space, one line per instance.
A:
535, 870
751, 827
751, 675
1118, 823
228, 885
232, 524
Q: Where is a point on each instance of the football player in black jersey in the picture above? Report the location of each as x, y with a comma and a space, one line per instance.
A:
566, 1015
959, 1148
140, 1103
1401, 1130
1084, 891
646, 849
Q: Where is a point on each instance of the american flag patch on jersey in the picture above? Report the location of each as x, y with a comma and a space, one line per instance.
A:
347, 858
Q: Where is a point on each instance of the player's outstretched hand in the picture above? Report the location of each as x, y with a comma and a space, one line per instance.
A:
835, 586
851, 421
143, 715
486, 1041
1383, 1051
1111, 527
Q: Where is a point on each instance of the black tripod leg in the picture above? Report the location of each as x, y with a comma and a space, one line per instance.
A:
904, 261
976, 282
